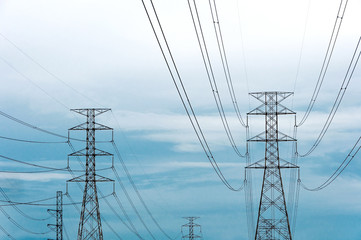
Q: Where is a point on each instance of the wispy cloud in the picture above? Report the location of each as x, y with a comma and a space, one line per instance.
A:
43, 177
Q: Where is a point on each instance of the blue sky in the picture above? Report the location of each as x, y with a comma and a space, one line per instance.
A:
105, 51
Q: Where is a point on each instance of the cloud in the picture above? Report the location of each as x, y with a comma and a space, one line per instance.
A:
176, 128
43, 177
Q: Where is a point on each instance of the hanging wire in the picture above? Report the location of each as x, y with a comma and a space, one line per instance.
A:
20, 226
249, 189
210, 73
225, 65
327, 59
302, 45
66, 233
295, 209
33, 165
292, 179
338, 100
339, 170
132, 203
35, 127
110, 227
30, 141
183, 94
132, 227
46, 70
7, 233
20, 211
136, 190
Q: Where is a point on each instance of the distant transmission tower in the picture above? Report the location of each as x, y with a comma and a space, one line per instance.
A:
58, 213
191, 227
90, 227
272, 222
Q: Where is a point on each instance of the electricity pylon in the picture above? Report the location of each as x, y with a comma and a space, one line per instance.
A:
191, 226
272, 222
90, 227
58, 213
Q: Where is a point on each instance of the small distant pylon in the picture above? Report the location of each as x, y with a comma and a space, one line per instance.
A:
191, 227
58, 213
90, 227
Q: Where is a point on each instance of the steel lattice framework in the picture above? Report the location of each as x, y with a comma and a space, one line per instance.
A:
191, 227
58, 213
90, 227
272, 222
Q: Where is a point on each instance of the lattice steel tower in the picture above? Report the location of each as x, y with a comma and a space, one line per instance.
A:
58, 213
272, 221
191, 227
90, 227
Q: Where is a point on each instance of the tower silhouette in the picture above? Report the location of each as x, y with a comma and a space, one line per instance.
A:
191, 228
58, 213
272, 222
90, 227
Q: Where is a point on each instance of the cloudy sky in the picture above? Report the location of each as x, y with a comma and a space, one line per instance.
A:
58, 55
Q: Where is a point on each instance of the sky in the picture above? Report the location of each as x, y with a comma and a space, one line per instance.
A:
60, 55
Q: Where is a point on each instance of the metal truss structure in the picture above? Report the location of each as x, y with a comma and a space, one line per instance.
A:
272, 222
58, 214
191, 227
90, 227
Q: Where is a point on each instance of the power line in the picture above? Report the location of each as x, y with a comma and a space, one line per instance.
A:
350, 156
41, 130
66, 233
302, 45
132, 228
222, 52
137, 191
17, 172
132, 203
46, 70
210, 73
27, 203
33, 165
295, 209
32, 82
110, 227
29, 141
165, 202
327, 59
20, 226
30, 125
36, 128
243, 52
6, 233
338, 100
36, 202
183, 94
20, 211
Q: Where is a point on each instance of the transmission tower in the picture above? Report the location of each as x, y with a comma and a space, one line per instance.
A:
90, 227
272, 221
191, 227
58, 213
